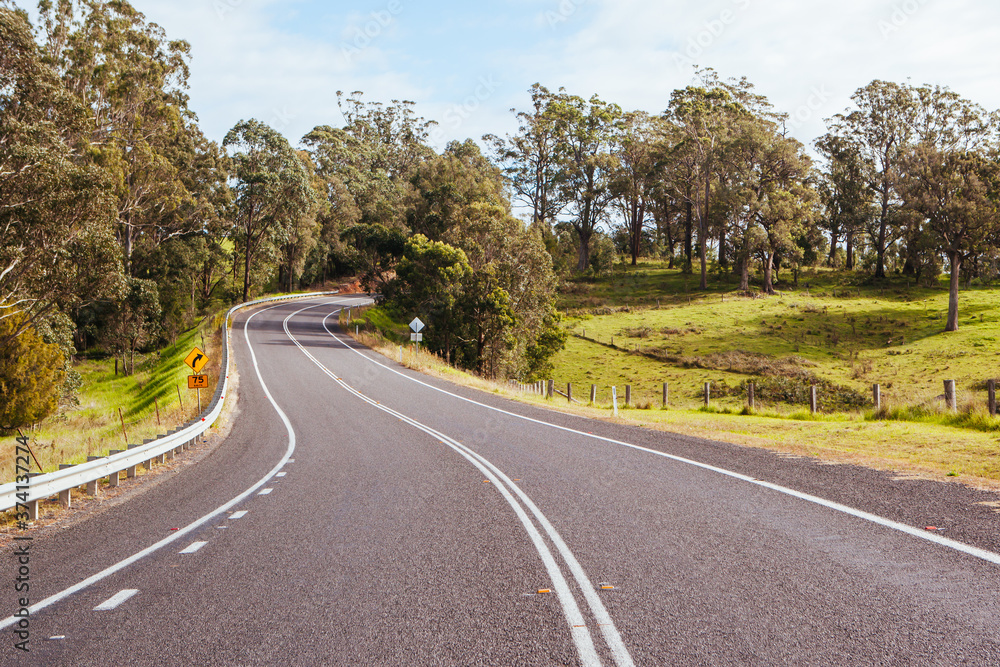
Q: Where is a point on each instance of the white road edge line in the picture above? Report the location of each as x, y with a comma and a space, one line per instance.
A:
192, 548
117, 567
237, 515
579, 631
115, 600
968, 549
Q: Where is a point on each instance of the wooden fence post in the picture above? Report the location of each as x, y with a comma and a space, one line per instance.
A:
813, 403
593, 394
949, 395
666, 395
877, 396
569, 392
991, 388
708, 393
628, 396
552, 389
751, 399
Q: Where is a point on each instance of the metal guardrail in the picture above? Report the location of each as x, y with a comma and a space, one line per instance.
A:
62, 482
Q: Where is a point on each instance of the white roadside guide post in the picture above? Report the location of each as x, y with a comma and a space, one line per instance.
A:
416, 337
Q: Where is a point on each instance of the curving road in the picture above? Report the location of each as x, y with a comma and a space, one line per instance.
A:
362, 514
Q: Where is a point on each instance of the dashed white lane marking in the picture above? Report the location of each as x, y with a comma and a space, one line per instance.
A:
116, 599
238, 515
117, 567
281, 474
265, 492
194, 546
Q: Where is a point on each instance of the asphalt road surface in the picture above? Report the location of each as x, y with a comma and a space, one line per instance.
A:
362, 514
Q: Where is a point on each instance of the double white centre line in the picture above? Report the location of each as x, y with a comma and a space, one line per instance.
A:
579, 630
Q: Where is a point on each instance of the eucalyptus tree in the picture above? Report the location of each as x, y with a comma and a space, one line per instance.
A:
272, 192
372, 156
57, 248
585, 131
133, 80
530, 158
777, 200
635, 178
951, 182
880, 131
702, 116
844, 194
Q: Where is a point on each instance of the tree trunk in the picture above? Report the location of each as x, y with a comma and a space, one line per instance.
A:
956, 265
688, 234
246, 271
880, 250
670, 238
849, 265
723, 260
834, 237
703, 239
768, 272
583, 252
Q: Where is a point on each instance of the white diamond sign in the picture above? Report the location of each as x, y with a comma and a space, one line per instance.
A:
416, 325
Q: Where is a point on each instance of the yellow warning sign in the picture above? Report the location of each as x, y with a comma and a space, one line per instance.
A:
196, 360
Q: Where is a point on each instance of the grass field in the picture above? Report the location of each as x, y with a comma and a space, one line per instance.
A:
95, 426
929, 449
832, 331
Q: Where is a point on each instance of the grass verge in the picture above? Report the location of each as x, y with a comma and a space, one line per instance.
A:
152, 401
939, 447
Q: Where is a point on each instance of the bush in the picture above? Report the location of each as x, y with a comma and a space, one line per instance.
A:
31, 376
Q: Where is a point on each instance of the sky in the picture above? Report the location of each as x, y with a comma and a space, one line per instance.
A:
467, 65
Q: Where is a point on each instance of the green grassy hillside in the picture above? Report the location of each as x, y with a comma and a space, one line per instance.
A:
643, 328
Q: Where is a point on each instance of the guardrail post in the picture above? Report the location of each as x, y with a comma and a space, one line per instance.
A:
569, 392
92, 484
551, 389
65, 497
113, 477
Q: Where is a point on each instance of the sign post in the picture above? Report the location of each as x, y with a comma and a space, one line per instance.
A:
416, 337
197, 360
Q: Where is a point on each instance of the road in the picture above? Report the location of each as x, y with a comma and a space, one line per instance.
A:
362, 514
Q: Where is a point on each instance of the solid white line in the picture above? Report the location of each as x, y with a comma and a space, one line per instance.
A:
117, 567
116, 599
577, 624
970, 550
265, 492
193, 547
237, 515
